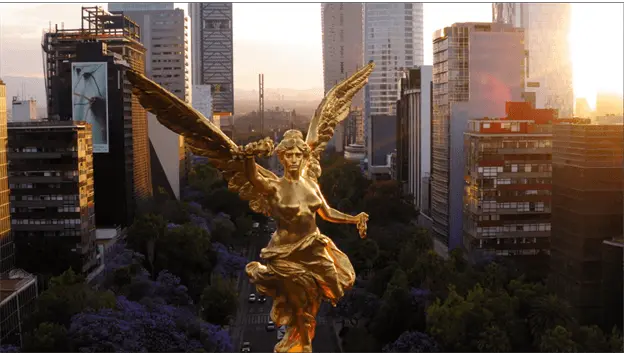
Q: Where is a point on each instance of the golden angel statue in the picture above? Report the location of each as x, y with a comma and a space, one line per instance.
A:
302, 266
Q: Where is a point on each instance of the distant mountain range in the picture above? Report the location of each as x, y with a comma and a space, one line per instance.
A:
245, 100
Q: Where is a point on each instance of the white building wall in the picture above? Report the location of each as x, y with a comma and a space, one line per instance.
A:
393, 38
202, 101
23, 110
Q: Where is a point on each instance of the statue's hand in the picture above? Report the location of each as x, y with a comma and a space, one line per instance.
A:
262, 148
362, 218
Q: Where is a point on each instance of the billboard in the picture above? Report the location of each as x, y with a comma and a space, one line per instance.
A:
90, 100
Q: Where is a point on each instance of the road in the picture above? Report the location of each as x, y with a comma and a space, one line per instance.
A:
251, 319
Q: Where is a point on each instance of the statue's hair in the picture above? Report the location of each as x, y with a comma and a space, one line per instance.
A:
293, 138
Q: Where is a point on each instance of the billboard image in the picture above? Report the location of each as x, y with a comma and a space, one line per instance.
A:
90, 100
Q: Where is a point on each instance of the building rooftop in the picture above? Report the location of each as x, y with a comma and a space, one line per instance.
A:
17, 280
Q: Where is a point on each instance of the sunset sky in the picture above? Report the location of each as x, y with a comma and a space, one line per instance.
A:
283, 41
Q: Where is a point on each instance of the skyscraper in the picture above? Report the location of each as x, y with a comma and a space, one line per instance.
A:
164, 34
393, 38
342, 56
77, 69
7, 253
549, 69
587, 210
212, 52
414, 133
18, 289
477, 67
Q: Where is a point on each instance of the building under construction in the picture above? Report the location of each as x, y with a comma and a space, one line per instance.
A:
112, 40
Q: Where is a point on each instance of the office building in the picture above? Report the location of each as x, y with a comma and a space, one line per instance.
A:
507, 197
586, 211
52, 196
612, 294
164, 34
548, 69
23, 110
140, 6
212, 51
342, 56
582, 109
18, 289
477, 67
95, 59
414, 132
393, 39
202, 102
609, 104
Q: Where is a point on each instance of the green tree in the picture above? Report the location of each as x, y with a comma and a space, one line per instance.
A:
557, 339
186, 252
145, 232
592, 339
355, 339
204, 177
47, 337
385, 202
67, 295
395, 314
548, 312
493, 339
219, 302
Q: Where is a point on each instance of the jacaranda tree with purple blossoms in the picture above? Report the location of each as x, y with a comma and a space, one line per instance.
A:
137, 327
413, 341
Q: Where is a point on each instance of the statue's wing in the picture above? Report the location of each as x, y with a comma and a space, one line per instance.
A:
202, 136
333, 109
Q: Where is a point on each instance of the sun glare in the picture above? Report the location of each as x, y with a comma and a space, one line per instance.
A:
596, 45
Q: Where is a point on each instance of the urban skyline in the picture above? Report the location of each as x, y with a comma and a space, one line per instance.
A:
282, 57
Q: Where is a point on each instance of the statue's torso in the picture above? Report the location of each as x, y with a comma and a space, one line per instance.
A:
294, 207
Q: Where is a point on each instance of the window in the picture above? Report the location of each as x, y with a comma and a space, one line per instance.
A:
342, 67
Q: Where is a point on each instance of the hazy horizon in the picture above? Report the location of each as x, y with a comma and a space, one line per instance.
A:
292, 59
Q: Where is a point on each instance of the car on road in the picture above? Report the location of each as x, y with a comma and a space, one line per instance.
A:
252, 298
246, 347
270, 326
262, 299
281, 332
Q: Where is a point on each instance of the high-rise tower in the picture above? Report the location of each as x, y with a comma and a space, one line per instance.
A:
342, 56
393, 39
86, 81
477, 68
549, 69
164, 34
212, 52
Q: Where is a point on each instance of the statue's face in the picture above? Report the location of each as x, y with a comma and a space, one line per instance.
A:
292, 159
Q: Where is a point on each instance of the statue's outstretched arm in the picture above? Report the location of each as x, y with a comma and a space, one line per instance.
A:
331, 214
247, 155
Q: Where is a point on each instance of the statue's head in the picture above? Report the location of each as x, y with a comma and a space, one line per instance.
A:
293, 151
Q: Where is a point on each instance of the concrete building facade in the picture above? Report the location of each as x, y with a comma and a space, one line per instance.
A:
165, 35
18, 289
477, 67
23, 110
53, 196
342, 56
508, 192
414, 133
393, 38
